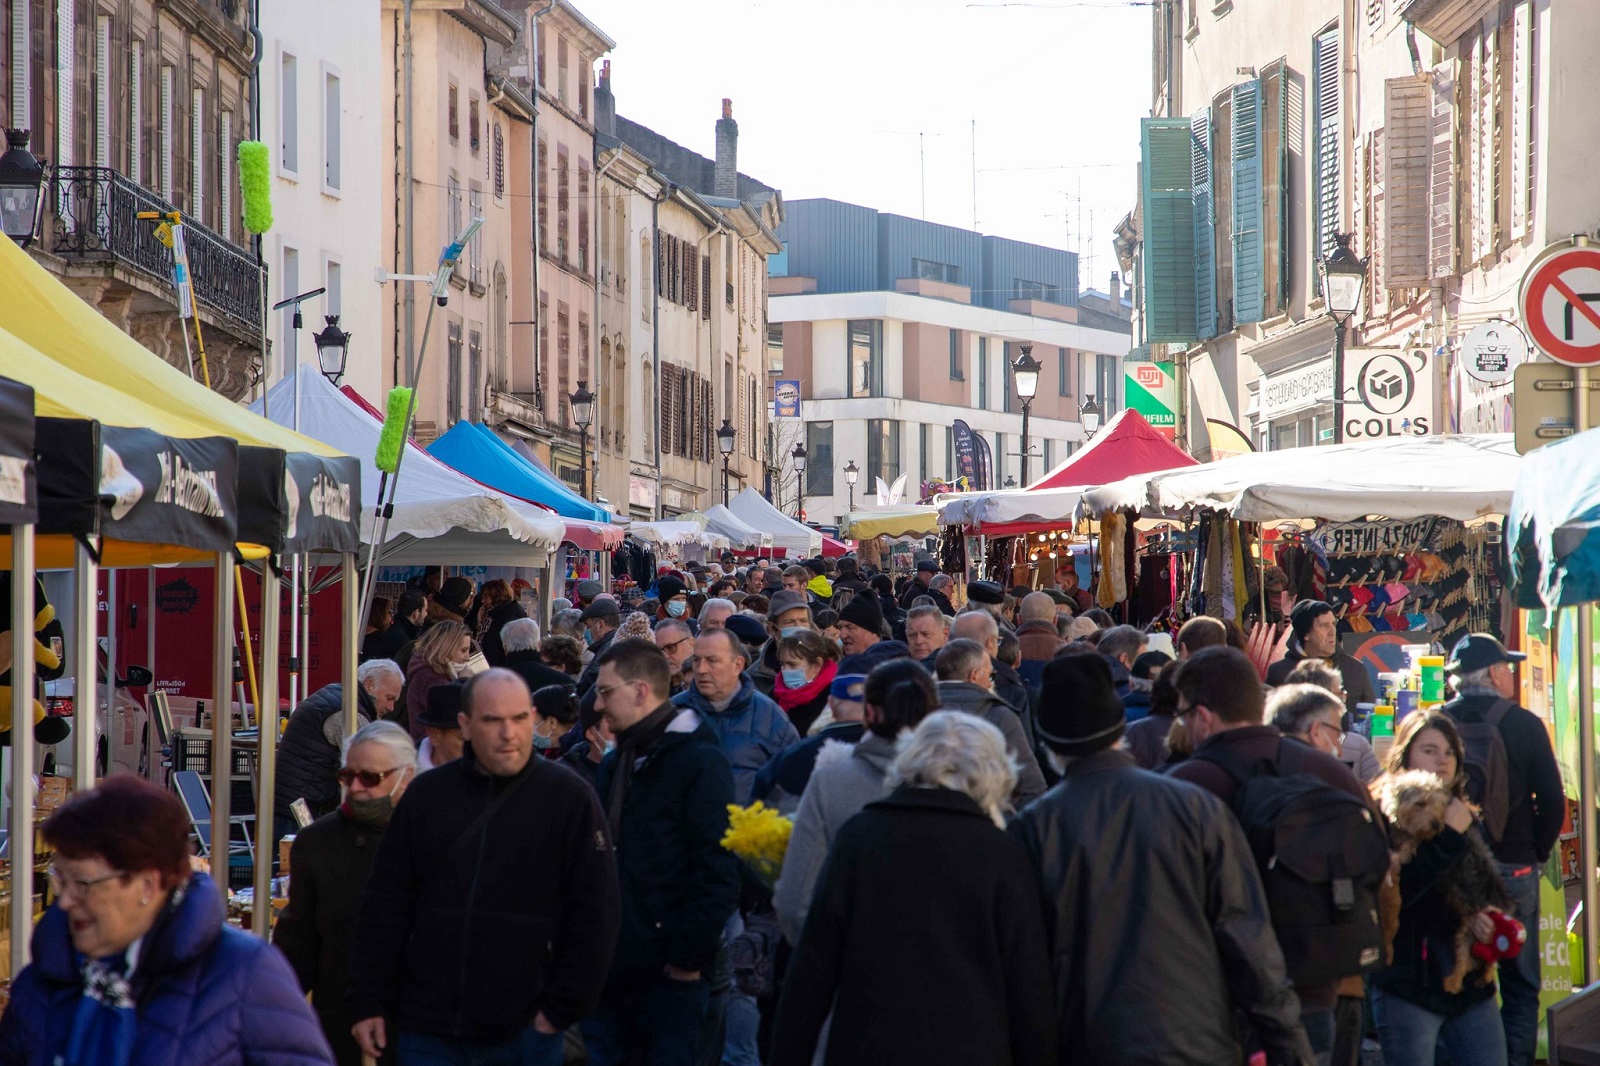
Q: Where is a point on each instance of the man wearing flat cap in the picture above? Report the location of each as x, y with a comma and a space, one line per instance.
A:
1109, 829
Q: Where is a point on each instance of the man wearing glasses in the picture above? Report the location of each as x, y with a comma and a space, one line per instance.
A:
677, 644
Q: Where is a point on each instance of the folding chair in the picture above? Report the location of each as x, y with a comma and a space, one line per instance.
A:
191, 789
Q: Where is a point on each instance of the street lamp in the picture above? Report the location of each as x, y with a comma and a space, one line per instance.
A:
1025, 372
1089, 415
333, 348
1343, 275
583, 415
21, 175
798, 457
851, 472
1011, 482
725, 438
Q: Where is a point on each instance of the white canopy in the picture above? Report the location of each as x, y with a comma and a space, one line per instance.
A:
753, 509
1020, 505
739, 533
1462, 476
676, 534
440, 516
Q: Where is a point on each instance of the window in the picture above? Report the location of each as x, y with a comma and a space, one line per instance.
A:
583, 219
288, 111
727, 266
543, 178
197, 155
958, 355
475, 246
472, 123
453, 113
453, 373
538, 47
922, 457
1222, 207
136, 120
1326, 127
169, 78
1109, 375
883, 451
291, 287
499, 163
949, 454
331, 112
933, 271
1022, 289
866, 358
1063, 376
333, 299
983, 373
774, 346
1275, 138
452, 218
541, 365
1007, 393
647, 274
225, 155
475, 375
104, 91
563, 202
819, 458
583, 86
563, 361
561, 69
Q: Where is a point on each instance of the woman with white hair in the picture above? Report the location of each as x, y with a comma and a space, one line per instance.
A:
921, 958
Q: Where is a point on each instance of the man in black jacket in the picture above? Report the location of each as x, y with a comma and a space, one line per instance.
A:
1486, 692
666, 790
1315, 635
1177, 860
409, 614
519, 638
600, 622
492, 909
308, 755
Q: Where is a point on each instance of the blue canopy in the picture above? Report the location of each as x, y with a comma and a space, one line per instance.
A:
1551, 527
474, 450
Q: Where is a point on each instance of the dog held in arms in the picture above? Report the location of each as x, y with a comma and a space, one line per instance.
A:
1415, 802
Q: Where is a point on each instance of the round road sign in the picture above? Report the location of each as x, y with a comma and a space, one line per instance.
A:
1560, 303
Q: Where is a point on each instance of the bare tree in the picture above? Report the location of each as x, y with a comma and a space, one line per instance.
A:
785, 433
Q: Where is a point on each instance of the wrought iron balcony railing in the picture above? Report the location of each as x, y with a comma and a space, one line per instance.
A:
93, 215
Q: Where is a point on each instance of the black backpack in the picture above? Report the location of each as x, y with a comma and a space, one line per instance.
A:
1322, 854
1488, 785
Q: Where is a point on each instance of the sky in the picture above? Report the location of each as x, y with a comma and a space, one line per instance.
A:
831, 96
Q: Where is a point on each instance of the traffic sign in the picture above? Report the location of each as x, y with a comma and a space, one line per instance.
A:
1560, 302
1542, 407
1492, 351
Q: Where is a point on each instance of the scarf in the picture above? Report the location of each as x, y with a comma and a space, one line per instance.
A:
790, 698
107, 1021
632, 743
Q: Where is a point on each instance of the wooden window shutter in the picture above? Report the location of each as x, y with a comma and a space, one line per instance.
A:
1326, 124
1377, 201
1480, 139
1168, 230
1205, 277
1407, 159
691, 278
1248, 240
1442, 181
66, 82
21, 85
705, 287
661, 264
1222, 205
1521, 116
1273, 117
708, 443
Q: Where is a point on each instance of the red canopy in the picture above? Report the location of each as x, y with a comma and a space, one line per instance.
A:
1125, 446
832, 548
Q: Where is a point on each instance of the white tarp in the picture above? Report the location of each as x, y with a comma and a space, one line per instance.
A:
440, 515
1050, 506
740, 534
676, 534
1462, 476
753, 510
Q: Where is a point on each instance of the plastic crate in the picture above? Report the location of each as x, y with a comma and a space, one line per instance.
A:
191, 750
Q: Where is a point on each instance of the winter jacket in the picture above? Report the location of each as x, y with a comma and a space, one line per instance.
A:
961, 976
1136, 704
751, 729
207, 994
1039, 642
1357, 681
763, 669
1173, 856
1147, 740
982, 703
917, 588
844, 780
1121, 677
576, 758
308, 755
782, 782
532, 669
387, 645
1533, 781
421, 678
1357, 754
331, 859
493, 650
470, 936
1009, 686
679, 884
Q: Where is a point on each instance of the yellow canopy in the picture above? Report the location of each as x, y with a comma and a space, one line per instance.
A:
891, 522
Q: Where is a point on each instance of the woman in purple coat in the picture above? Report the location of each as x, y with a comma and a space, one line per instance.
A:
133, 962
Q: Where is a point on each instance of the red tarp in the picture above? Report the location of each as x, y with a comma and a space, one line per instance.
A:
1125, 446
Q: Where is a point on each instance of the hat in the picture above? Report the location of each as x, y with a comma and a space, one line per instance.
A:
1059, 598
785, 600
454, 594
863, 611
588, 589
986, 592
1305, 613
927, 566
1019, 591
606, 609
843, 683
668, 587
1478, 651
747, 629
1079, 712
816, 566
444, 703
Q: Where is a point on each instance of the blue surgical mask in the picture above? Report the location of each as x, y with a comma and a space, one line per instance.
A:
793, 631
588, 637
794, 678
676, 608
543, 743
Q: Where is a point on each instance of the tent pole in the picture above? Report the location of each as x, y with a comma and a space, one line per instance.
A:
546, 594
267, 756
294, 631
222, 719
22, 673
85, 629
1586, 745
350, 643
244, 631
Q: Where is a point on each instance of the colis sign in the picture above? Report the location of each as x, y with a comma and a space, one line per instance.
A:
1388, 392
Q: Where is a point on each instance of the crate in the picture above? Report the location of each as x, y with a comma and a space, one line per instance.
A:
191, 750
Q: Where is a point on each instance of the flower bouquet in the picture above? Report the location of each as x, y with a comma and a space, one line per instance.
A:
759, 835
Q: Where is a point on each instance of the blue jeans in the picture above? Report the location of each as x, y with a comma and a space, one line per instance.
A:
1319, 1031
659, 1021
743, 1030
1519, 977
1412, 1036
531, 1048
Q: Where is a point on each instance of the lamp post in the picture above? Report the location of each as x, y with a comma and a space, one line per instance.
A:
1011, 482
333, 348
725, 439
851, 472
1089, 415
798, 457
1343, 275
21, 176
1025, 372
583, 416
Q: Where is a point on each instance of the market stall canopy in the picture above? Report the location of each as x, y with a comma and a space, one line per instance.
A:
832, 547
440, 516
676, 534
1125, 446
997, 514
1461, 476
19, 488
740, 534
754, 510
891, 522
1551, 527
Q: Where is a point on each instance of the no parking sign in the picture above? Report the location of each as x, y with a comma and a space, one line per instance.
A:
1560, 303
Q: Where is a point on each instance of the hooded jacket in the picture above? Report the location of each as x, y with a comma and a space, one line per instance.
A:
207, 994
982, 703
751, 729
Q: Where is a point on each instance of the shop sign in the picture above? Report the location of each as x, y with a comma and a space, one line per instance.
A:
1492, 351
1295, 390
641, 491
1376, 538
786, 399
1388, 392
1151, 389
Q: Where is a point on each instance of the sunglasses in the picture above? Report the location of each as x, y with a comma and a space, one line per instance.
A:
368, 778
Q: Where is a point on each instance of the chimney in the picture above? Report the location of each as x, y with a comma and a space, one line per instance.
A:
1115, 291
605, 105
725, 181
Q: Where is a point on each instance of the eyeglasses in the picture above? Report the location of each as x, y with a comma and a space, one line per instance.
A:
670, 646
605, 691
61, 884
368, 778
1338, 734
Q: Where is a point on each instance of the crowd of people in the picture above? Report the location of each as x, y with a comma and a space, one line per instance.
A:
1022, 834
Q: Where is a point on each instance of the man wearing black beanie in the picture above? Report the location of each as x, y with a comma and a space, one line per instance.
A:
860, 624
1314, 634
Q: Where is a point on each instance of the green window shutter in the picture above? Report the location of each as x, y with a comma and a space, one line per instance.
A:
1325, 123
1168, 203
1248, 263
1205, 220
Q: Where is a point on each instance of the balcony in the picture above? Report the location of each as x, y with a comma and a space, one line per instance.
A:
93, 218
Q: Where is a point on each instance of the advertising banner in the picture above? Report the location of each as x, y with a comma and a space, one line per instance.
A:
1152, 390
966, 453
985, 456
19, 497
786, 399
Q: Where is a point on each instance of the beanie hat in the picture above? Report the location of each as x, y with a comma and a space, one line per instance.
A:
454, 594
1305, 614
668, 587
1079, 711
863, 611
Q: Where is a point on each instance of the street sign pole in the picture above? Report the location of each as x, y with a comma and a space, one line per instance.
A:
1586, 748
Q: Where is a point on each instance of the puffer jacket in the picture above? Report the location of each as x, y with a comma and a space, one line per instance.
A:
752, 729
1173, 854
982, 703
308, 756
207, 995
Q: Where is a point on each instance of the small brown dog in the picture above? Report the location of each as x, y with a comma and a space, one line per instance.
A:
1415, 802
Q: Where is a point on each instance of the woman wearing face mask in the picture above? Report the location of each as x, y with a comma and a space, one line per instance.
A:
807, 663
555, 711
331, 859
674, 598
441, 653
584, 757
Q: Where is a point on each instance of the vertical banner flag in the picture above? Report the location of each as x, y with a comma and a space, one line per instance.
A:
786, 399
180, 272
1152, 390
966, 455
985, 462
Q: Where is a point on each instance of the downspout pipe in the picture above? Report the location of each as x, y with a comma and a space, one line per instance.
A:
409, 199
601, 388
655, 326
